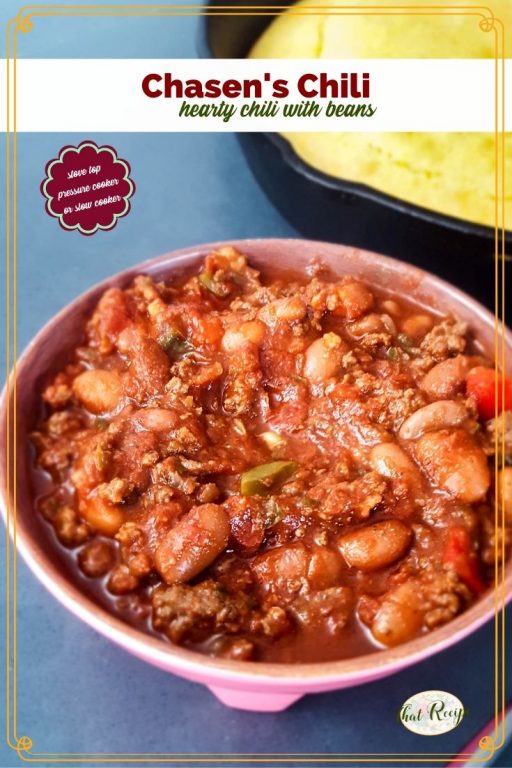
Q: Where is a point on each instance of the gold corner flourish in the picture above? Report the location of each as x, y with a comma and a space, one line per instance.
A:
23, 23
23, 744
488, 744
487, 23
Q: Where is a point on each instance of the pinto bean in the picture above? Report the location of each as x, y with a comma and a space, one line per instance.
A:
104, 517
354, 299
389, 460
417, 326
283, 570
155, 419
399, 617
438, 415
349, 299
323, 358
239, 336
100, 391
375, 546
286, 562
453, 461
389, 324
391, 307
324, 568
446, 379
372, 323
193, 544
505, 492
288, 309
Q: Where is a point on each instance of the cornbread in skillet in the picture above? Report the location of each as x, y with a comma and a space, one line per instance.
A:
451, 173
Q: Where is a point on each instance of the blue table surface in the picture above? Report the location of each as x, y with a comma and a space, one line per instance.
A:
76, 691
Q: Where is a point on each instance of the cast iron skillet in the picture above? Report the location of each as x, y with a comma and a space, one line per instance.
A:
326, 208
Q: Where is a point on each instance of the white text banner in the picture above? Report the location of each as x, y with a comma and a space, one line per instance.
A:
147, 95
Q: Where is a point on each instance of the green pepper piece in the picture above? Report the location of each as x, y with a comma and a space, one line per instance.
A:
175, 345
392, 353
266, 478
167, 340
405, 342
218, 289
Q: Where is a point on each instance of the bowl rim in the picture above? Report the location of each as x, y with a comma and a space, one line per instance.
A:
299, 676
346, 186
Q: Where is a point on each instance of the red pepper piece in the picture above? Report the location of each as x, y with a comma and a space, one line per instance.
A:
484, 385
460, 555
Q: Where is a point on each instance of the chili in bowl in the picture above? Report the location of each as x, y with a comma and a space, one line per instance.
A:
267, 465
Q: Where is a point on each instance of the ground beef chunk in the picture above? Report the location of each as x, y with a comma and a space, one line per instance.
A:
96, 559
446, 339
70, 529
348, 501
193, 612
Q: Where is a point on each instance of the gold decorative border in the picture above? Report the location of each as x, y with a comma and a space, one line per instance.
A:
23, 23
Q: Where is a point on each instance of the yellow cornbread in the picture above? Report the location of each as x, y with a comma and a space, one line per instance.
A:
453, 173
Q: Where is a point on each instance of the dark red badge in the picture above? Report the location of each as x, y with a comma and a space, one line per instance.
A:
88, 187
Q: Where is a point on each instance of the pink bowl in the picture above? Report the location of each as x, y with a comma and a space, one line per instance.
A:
245, 685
